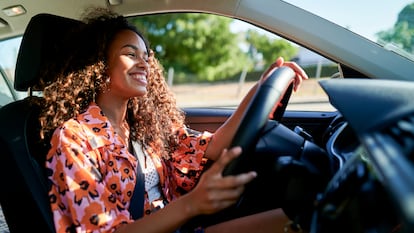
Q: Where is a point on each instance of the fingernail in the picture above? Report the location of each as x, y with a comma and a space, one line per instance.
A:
254, 174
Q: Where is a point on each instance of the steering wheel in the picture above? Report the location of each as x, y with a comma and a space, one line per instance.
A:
275, 89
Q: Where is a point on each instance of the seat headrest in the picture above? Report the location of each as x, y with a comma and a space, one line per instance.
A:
42, 44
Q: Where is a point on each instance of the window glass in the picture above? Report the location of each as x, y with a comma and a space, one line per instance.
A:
8, 56
212, 61
387, 23
6, 95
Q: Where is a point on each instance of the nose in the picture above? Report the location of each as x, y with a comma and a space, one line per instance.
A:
142, 62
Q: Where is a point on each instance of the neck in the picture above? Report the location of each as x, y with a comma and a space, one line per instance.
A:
114, 109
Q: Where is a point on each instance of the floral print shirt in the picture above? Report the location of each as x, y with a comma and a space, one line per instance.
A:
92, 173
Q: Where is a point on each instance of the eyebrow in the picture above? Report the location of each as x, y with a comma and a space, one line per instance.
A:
133, 47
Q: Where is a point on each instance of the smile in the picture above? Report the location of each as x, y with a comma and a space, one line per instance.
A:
140, 77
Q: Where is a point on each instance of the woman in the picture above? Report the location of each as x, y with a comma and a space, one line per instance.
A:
109, 114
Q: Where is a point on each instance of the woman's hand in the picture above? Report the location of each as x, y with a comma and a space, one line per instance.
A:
215, 192
224, 135
300, 73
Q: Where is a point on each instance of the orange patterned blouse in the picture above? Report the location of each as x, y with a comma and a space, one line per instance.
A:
92, 173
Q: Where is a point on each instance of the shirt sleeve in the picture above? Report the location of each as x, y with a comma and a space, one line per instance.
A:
188, 161
80, 201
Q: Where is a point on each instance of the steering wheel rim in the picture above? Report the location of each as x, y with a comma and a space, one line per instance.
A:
269, 94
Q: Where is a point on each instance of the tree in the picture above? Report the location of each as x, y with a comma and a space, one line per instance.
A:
207, 48
402, 33
267, 49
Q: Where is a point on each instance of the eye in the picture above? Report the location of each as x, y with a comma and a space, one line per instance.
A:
132, 54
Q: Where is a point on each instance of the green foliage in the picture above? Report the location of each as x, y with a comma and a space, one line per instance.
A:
268, 48
203, 46
198, 44
402, 33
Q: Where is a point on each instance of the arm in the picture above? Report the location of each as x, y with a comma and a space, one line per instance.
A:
85, 200
212, 194
223, 136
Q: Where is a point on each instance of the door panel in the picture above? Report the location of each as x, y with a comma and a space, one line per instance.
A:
314, 123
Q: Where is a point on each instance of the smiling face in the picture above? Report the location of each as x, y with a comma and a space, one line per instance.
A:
127, 65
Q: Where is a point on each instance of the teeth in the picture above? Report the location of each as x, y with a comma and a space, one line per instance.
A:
138, 76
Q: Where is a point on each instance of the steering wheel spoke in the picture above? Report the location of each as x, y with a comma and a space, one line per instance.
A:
269, 94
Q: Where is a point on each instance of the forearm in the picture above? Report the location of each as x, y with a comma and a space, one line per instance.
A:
223, 136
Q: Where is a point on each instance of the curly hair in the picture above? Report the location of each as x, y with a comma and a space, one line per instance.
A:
152, 118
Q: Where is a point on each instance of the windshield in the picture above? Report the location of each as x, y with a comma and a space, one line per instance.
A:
387, 23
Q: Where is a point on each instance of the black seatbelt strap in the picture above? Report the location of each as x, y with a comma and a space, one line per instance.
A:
136, 207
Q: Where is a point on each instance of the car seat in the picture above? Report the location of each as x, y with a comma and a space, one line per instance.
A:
24, 188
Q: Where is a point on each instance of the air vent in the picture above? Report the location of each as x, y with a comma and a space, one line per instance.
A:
402, 133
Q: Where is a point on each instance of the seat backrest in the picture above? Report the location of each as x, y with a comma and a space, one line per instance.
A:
24, 193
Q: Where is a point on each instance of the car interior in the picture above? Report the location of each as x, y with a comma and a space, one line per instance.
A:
23, 151
20, 141
298, 152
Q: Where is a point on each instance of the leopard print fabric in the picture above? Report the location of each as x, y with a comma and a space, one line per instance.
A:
92, 174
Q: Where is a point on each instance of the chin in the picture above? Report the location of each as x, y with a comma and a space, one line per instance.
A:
141, 92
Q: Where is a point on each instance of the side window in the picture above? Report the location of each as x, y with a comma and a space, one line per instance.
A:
212, 61
8, 55
6, 95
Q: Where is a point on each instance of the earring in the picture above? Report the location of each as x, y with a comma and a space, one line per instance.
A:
107, 84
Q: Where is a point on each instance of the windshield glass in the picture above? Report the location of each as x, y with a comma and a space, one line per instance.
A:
388, 23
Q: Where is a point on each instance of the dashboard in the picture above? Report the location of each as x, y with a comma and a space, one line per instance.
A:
372, 143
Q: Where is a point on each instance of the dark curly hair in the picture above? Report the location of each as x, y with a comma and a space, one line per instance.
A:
152, 118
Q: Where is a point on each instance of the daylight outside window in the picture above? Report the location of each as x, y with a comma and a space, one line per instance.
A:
212, 61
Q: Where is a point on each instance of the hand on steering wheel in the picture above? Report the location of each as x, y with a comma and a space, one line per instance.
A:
300, 73
275, 84
269, 93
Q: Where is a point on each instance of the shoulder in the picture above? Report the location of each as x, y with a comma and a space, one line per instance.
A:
91, 122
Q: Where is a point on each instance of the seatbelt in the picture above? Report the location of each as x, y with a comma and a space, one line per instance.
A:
136, 206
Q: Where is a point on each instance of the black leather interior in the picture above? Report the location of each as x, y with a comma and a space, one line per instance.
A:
23, 194
43, 45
